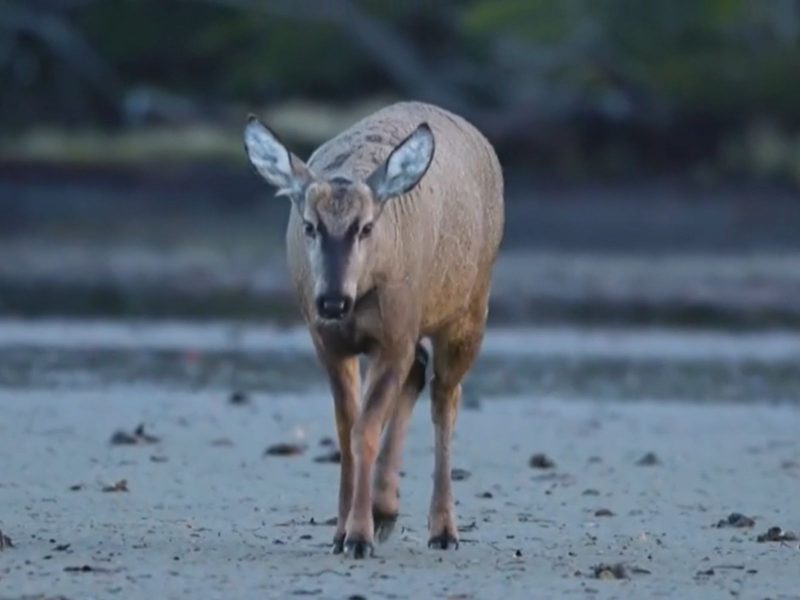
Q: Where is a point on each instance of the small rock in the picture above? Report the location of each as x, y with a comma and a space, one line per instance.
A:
331, 521
468, 527
459, 474
139, 436
518, 553
590, 492
89, 569
61, 547
84, 569
486, 495
157, 458
238, 398
706, 573
735, 520
145, 437
541, 461
123, 438
603, 512
120, 486
776, 534
221, 442
332, 457
649, 460
285, 449
615, 571
76, 488
327, 441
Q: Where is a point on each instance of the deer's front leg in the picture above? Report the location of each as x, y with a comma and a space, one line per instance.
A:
385, 497
384, 378
344, 379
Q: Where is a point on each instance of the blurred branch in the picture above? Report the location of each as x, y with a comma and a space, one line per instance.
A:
66, 45
515, 93
397, 57
518, 99
59, 5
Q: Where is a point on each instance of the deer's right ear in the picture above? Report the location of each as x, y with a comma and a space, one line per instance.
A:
274, 162
405, 166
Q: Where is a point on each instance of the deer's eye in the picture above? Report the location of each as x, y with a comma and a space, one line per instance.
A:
309, 229
366, 230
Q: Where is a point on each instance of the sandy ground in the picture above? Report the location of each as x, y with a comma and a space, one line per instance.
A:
207, 515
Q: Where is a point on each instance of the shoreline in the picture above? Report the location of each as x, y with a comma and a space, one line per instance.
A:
529, 288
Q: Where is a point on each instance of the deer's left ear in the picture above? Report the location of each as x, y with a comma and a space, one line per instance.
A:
406, 165
274, 162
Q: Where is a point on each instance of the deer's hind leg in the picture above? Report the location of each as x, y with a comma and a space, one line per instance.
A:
385, 497
454, 350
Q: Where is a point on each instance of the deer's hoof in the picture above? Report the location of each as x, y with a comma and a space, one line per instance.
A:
384, 525
358, 549
443, 541
338, 544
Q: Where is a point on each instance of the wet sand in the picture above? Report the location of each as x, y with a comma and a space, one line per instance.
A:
207, 515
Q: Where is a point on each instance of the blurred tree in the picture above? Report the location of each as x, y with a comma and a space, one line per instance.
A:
667, 80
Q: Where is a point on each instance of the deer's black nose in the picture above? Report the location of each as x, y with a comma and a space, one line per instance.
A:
334, 307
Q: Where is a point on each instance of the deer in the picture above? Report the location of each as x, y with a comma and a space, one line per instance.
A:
394, 229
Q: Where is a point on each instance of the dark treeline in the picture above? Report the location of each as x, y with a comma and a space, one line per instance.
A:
574, 85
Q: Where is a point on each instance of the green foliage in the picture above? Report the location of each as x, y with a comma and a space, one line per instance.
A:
662, 64
728, 57
732, 56
219, 52
535, 20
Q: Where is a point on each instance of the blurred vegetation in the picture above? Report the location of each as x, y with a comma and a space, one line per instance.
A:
572, 87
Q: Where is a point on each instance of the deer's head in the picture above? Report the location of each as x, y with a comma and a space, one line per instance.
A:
340, 216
